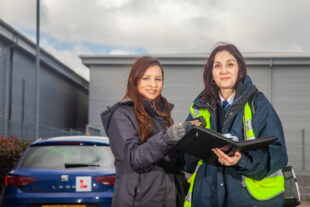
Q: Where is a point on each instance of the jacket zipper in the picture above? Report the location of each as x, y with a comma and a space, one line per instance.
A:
136, 190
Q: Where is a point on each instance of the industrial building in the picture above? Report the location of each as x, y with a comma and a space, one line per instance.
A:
63, 93
282, 77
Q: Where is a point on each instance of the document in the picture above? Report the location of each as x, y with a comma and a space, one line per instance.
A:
200, 141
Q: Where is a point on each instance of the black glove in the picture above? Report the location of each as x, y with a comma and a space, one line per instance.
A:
176, 132
201, 120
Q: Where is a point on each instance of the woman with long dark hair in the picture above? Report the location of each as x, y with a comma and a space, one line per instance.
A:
232, 106
142, 137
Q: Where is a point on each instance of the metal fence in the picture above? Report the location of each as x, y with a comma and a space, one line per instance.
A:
297, 142
298, 150
26, 130
92, 130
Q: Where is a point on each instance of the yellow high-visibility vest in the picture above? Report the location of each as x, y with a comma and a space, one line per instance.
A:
264, 189
268, 187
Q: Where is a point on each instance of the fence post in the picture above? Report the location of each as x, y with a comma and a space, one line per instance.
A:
303, 146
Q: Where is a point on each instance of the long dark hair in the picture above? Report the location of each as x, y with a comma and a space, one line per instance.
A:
161, 105
211, 89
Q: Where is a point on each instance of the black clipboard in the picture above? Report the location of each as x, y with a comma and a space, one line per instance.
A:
200, 141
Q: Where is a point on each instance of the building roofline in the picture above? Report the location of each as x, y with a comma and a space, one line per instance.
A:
199, 59
19, 40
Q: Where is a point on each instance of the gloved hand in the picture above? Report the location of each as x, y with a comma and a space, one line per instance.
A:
176, 132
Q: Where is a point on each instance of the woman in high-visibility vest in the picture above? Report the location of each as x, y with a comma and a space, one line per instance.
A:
231, 105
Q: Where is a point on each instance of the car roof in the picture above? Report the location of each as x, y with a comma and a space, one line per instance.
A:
67, 139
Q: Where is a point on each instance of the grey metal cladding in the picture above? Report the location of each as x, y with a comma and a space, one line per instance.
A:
21, 93
23, 69
3, 63
283, 78
63, 93
61, 101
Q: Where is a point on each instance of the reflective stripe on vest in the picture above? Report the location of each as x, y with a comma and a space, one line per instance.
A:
247, 123
201, 112
207, 117
268, 187
191, 180
264, 189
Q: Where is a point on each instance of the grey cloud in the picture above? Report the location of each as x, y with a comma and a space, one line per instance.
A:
170, 26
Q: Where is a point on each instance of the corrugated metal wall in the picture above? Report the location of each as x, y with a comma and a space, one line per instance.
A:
286, 86
291, 96
181, 86
287, 89
3, 73
22, 96
63, 103
107, 86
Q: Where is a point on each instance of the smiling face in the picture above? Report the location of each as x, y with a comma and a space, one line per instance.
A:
225, 72
151, 83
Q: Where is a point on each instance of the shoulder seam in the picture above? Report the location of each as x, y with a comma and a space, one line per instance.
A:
252, 99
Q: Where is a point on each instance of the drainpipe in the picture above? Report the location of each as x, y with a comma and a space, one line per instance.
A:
8, 86
271, 80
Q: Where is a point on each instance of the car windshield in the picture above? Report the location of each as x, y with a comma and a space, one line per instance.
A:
62, 157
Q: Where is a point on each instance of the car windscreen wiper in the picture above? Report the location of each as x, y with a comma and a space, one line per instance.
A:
72, 165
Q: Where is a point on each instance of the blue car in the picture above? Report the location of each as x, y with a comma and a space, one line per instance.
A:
62, 172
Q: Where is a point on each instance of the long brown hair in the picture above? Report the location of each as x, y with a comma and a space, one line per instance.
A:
211, 89
161, 105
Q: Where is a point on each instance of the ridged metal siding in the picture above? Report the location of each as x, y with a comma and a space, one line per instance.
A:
3, 63
283, 80
107, 86
286, 87
63, 103
23, 95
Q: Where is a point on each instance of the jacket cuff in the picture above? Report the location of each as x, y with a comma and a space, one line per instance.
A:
242, 162
167, 140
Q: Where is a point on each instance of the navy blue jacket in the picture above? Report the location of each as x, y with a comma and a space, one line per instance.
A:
147, 173
216, 185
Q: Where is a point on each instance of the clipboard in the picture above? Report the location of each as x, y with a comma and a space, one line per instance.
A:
200, 141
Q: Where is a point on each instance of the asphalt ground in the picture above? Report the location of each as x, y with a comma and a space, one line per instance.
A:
305, 204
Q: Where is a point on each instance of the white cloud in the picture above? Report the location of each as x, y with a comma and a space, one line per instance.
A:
121, 52
21, 14
70, 57
108, 4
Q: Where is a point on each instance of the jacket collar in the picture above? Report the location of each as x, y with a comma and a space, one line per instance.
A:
107, 114
243, 91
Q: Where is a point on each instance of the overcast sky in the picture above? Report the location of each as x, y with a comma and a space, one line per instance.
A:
70, 28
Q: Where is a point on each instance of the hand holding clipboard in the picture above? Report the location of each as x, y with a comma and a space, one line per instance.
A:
200, 141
